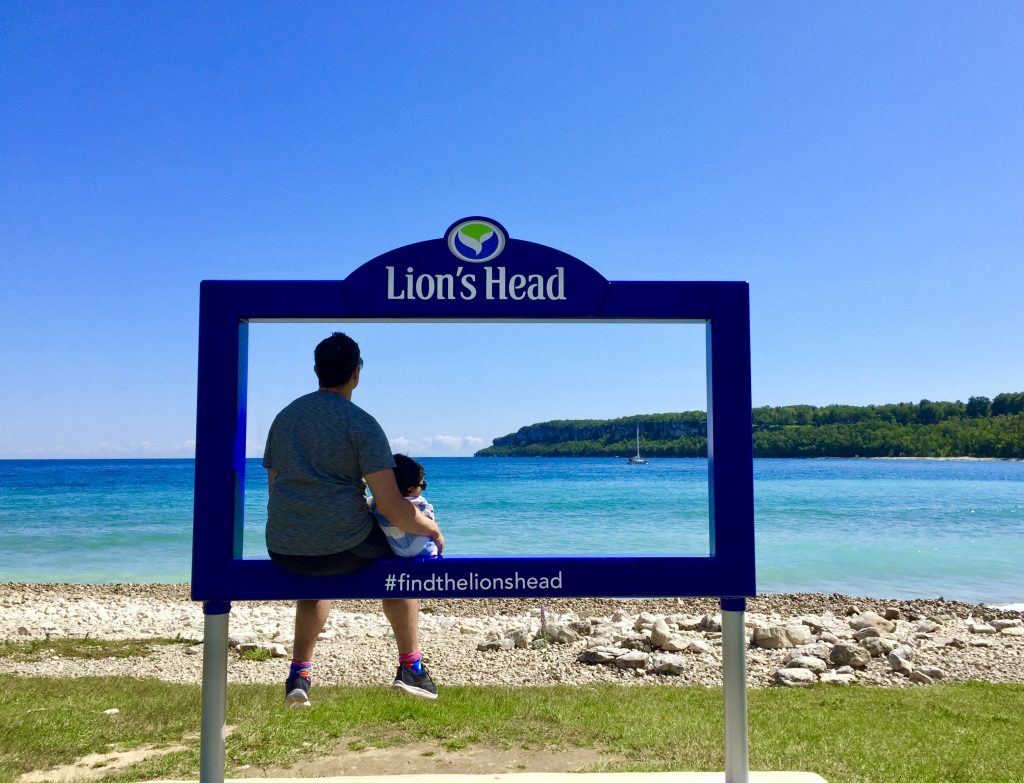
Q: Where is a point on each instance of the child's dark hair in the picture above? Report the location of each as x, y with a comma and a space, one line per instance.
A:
408, 472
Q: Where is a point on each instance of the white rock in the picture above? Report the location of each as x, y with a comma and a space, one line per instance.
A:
866, 619
660, 632
878, 647
808, 662
799, 678
601, 654
772, 637
711, 622
898, 664
904, 651
1013, 630
846, 654
1000, 625
798, 634
836, 678
813, 622
112, 711
698, 646
633, 660
645, 621
326, 636
981, 628
277, 650
816, 650
494, 645
668, 664
918, 676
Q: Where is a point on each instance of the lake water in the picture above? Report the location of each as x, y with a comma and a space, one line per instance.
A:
885, 528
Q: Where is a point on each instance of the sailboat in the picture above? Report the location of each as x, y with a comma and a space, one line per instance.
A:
637, 460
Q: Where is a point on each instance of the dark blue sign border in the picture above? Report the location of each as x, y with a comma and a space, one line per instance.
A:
227, 307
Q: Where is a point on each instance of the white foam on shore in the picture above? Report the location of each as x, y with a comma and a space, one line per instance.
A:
1009, 607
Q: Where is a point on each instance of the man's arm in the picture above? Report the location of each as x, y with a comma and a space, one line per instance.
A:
399, 511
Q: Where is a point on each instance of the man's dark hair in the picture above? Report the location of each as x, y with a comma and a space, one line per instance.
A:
408, 472
335, 359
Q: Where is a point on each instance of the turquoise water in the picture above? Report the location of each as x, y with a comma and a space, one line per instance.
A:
890, 528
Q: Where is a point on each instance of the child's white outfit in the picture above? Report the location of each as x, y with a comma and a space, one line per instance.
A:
406, 544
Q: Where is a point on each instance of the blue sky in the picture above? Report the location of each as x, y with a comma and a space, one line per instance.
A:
859, 164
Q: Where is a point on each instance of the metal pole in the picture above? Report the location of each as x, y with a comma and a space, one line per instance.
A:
213, 724
734, 668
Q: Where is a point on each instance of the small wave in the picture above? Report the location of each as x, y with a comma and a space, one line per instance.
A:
1009, 607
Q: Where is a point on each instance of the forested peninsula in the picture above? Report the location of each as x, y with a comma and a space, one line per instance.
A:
980, 427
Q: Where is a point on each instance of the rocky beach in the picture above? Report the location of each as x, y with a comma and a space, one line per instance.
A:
793, 640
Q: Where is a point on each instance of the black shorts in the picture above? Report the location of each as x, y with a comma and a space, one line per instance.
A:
369, 550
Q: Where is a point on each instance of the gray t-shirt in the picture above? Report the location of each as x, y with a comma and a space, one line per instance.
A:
320, 447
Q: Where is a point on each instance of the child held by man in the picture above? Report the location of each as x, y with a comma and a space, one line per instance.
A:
409, 475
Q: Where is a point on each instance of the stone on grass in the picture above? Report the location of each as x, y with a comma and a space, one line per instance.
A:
796, 678
918, 676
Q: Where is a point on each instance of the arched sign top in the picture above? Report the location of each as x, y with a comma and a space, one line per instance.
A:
476, 269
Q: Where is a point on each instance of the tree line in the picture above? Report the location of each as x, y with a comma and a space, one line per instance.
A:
980, 427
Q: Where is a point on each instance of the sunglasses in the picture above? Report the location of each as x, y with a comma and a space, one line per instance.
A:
421, 485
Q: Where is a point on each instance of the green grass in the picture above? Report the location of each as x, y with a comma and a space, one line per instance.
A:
962, 733
259, 654
41, 649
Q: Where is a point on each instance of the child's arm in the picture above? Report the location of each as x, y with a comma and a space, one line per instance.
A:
399, 511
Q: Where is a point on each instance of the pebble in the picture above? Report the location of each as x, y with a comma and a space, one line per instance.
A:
590, 640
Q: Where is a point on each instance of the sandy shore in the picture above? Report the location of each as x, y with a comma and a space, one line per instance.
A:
465, 640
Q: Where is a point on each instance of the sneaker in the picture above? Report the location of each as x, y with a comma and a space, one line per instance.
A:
296, 692
415, 684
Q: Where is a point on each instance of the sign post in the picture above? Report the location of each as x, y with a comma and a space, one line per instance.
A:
474, 273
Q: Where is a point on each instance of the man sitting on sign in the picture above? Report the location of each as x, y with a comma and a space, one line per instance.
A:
320, 449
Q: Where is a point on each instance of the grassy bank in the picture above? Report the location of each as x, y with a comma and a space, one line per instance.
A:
956, 732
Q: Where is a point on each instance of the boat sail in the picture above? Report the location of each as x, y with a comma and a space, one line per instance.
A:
637, 460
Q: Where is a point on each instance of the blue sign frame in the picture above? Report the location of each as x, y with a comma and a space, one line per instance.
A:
474, 273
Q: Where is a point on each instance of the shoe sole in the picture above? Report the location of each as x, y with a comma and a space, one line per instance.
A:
297, 698
398, 685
